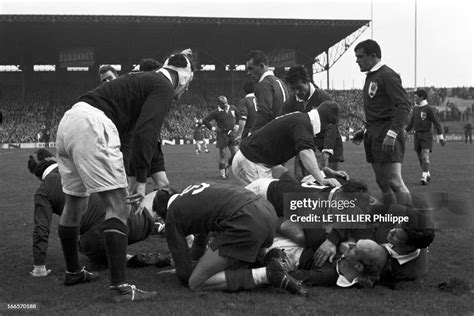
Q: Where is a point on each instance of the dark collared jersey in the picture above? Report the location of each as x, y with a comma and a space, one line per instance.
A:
385, 98
422, 120
280, 140
225, 120
139, 102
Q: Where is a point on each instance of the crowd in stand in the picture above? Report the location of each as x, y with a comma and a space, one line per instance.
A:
26, 114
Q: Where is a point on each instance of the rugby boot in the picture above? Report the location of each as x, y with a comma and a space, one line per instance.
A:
83, 276
278, 277
128, 292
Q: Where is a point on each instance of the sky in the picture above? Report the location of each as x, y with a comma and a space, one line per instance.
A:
444, 30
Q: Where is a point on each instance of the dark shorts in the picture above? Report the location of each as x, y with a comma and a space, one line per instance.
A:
373, 139
246, 231
423, 140
225, 139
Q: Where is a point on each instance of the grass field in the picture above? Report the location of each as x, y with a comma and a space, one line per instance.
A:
451, 255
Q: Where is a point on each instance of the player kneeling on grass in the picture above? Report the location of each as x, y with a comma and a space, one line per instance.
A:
49, 199
242, 224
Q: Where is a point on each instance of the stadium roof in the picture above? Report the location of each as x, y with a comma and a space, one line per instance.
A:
39, 38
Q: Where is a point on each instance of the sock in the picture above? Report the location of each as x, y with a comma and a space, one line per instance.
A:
222, 171
240, 279
69, 237
425, 166
221, 166
260, 276
116, 242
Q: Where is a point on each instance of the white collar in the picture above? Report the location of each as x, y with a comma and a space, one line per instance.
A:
266, 73
166, 73
250, 95
422, 103
172, 198
377, 66
342, 281
402, 259
312, 88
48, 170
315, 121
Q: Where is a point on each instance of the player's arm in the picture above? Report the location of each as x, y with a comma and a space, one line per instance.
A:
264, 97
399, 98
411, 123
148, 127
42, 223
207, 121
439, 131
178, 247
243, 113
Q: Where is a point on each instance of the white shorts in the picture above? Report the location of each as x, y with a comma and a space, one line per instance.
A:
247, 171
89, 156
293, 251
260, 187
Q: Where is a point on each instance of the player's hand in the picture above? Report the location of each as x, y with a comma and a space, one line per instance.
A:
358, 137
331, 182
238, 138
309, 179
138, 193
442, 142
342, 174
40, 271
388, 144
325, 252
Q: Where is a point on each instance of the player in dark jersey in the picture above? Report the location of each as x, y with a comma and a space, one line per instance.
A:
226, 117
264, 151
422, 120
49, 200
386, 107
306, 96
198, 136
247, 111
242, 224
271, 92
90, 160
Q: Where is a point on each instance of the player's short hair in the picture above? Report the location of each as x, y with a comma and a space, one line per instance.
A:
354, 186
329, 112
297, 73
370, 47
422, 94
419, 237
160, 201
149, 64
374, 261
104, 68
180, 61
249, 86
258, 57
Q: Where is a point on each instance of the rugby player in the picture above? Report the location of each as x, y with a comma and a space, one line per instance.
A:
386, 107
90, 161
49, 200
271, 92
226, 118
306, 96
198, 136
422, 120
264, 151
242, 224
107, 73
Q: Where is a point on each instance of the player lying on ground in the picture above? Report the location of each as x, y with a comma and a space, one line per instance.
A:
241, 223
49, 199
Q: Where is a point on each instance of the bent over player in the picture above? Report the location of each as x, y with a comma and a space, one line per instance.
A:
90, 160
242, 224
